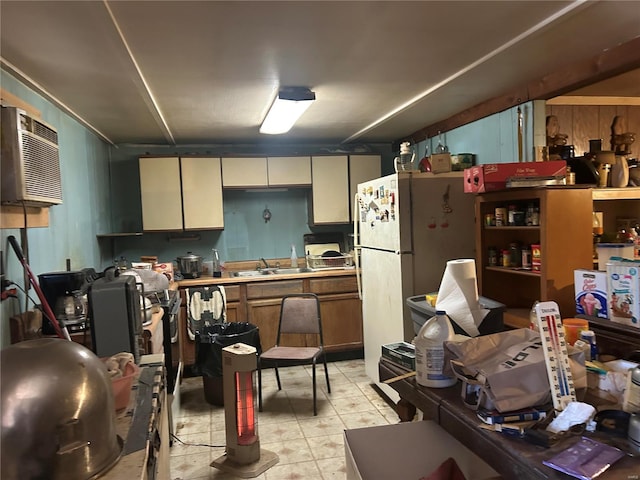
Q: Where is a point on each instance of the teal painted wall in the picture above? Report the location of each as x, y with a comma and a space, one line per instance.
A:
101, 194
73, 225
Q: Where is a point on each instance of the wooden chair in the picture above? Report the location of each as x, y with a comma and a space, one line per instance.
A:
299, 315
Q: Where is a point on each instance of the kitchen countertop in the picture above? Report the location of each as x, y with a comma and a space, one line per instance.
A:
226, 278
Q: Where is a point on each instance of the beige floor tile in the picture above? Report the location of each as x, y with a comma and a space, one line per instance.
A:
190, 467
290, 451
328, 446
193, 424
306, 392
341, 390
333, 468
280, 432
192, 444
294, 471
353, 404
322, 426
363, 419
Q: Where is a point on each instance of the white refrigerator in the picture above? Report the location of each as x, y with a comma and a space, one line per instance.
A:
408, 225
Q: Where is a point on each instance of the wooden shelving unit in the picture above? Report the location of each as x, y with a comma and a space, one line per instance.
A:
565, 238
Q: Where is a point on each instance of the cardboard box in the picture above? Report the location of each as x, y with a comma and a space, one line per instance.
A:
440, 162
402, 353
591, 293
536, 257
623, 286
165, 268
494, 176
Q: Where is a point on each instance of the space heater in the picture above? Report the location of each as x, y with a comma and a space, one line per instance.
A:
243, 456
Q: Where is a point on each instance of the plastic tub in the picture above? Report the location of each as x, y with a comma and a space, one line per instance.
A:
121, 386
608, 250
421, 310
572, 328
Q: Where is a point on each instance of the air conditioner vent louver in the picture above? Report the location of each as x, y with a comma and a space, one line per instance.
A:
30, 160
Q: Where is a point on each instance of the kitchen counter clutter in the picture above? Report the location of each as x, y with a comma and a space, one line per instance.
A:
256, 299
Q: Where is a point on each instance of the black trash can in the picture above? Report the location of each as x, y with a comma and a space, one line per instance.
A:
209, 345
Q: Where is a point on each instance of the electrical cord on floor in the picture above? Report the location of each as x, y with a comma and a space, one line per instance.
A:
196, 444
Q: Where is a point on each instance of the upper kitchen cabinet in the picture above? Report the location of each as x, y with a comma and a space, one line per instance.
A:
335, 182
202, 193
329, 190
181, 193
261, 172
244, 172
289, 171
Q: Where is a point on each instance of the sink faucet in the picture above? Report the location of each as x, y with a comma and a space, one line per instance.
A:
265, 262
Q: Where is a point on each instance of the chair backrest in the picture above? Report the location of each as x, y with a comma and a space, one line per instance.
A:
300, 313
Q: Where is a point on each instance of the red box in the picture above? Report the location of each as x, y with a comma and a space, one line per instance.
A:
536, 257
494, 176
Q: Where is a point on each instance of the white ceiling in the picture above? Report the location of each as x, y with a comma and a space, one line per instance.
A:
181, 72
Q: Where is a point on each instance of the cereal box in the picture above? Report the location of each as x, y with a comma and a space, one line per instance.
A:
591, 293
623, 285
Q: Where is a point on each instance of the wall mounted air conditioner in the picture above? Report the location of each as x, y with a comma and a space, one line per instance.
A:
30, 161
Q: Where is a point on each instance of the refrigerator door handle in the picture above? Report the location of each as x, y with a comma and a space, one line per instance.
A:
356, 242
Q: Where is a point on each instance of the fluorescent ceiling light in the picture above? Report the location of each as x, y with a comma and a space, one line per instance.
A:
287, 108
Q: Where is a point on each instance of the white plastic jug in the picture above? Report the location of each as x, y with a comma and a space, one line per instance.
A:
430, 351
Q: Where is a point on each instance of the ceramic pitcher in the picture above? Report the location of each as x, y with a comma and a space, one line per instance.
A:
620, 172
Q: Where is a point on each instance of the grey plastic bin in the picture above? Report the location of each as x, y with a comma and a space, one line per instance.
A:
421, 311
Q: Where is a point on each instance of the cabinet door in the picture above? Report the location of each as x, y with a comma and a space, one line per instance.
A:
160, 193
362, 168
244, 172
330, 189
341, 321
265, 314
202, 192
289, 171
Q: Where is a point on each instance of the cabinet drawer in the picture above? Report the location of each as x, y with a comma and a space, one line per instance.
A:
333, 285
273, 289
232, 292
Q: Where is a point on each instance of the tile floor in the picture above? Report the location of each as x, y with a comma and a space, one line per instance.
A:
309, 447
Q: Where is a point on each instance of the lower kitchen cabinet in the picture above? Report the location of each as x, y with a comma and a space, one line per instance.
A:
259, 302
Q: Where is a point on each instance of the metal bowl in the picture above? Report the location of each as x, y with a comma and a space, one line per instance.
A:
58, 418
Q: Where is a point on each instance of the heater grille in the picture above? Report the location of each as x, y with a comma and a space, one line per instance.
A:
30, 160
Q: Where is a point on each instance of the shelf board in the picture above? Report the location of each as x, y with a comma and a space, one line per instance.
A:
513, 227
514, 271
114, 235
625, 193
517, 317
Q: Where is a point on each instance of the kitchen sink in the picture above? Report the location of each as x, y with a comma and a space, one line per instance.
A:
269, 271
251, 273
291, 270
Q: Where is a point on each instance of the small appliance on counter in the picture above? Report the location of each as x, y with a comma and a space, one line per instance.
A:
65, 293
190, 265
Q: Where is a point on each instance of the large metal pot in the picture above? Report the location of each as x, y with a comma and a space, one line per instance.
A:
58, 415
190, 265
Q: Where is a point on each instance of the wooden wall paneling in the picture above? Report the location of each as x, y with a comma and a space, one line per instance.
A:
607, 113
585, 127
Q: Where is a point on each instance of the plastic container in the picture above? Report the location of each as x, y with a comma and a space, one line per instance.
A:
573, 327
122, 386
421, 310
294, 257
589, 336
430, 352
608, 250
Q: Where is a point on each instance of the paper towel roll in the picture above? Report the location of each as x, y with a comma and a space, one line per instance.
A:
458, 295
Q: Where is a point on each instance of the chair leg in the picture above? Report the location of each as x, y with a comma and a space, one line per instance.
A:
278, 377
259, 386
326, 373
315, 409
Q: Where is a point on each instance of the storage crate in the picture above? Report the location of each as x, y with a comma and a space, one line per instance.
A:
318, 261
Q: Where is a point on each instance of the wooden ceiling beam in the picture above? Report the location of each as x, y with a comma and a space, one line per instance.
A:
609, 63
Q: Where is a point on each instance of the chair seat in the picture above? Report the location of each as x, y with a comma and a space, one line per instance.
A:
290, 353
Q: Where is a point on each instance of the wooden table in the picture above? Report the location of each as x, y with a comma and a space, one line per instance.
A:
513, 458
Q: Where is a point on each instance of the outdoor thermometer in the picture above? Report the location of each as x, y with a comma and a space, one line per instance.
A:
556, 356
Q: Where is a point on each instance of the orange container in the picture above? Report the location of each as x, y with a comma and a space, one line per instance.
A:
573, 327
121, 386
